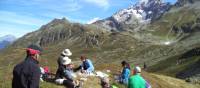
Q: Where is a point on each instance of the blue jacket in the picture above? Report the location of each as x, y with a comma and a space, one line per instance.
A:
87, 65
125, 75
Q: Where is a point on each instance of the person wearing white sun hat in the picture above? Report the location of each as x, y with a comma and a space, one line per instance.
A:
64, 53
66, 61
60, 72
65, 74
67, 52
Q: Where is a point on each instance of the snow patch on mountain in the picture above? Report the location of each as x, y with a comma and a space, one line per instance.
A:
93, 20
142, 12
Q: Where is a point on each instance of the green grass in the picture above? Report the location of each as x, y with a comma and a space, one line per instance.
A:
170, 66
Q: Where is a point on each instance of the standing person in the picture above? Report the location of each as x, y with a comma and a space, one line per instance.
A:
27, 73
86, 66
136, 81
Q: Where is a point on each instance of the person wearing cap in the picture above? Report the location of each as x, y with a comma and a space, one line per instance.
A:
86, 66
136, 81
27, 73
66, 75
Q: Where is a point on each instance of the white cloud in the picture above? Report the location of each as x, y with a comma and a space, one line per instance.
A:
11, 17
101, 3
18, 24
16, 30
93, 20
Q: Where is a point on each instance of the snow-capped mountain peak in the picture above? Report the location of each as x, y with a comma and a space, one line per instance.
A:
142, 12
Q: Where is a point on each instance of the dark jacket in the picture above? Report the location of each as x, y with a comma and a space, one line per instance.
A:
26, 74
60, 72
63, 72
59, 61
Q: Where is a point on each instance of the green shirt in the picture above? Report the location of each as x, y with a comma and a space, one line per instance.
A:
136, 81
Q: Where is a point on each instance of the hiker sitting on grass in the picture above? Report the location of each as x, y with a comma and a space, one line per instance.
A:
61, 67
65, 74
124, 76
26, 74
86, 66
65, 53
137, 81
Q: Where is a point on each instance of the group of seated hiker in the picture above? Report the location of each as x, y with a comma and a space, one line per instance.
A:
27, 74
130, 79
65, 73
134, 80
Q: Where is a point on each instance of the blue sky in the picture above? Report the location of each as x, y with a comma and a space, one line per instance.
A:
18, 17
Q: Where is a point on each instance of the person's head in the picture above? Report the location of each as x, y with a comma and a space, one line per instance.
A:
34, 51
66, 61
70, 65
83, 58
124, 63
105, 82
137, 70
66, 52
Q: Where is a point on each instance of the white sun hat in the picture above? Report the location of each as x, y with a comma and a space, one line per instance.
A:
137, 69
67, 52
66, 61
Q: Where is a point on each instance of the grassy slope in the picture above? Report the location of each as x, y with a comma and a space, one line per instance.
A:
170, 66
176, 17
110, 50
